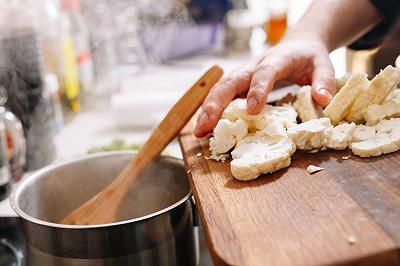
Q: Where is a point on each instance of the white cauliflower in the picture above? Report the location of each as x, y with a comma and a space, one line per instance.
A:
394, 95
339, 137
376, 92
225, 136
260, 154
274, 127
390, 108
385, 140
264, 143
342, 102
305, 106
341, 81
311, 134
286, 113
237, 109
362, 133
378, 112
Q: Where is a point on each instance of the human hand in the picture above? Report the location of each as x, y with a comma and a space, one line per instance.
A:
301, 59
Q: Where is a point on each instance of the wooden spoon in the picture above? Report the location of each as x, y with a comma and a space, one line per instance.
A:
103, 207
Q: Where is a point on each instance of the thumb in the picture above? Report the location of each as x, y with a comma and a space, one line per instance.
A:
323, 81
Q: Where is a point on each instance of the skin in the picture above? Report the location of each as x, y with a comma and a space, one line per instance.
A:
301, 57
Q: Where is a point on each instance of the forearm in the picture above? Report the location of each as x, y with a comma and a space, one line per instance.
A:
336, 22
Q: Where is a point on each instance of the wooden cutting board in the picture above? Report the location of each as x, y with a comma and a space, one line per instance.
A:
347, 214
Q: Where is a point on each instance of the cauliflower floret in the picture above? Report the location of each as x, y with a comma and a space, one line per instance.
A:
285, 113
385, 140
341, 81
378, 89
378, 112
311, 134
341, 104
394, 96
274, 127
260, 154
363, 133
226, 134
388, 125
305, 105
237, 109
339, 137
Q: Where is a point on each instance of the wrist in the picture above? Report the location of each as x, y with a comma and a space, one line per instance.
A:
300, 33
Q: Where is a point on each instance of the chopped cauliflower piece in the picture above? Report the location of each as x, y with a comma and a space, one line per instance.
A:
219, 157
339, 137
352, 240
376, 92
363, 133
274, 127
342, 102
386, 140
341, 81
259, 154
378, 112
311, 134
237, 109
226, 134
374, 147
236, 123
388, 125
305, 106
313, 169
286, 113
394, 96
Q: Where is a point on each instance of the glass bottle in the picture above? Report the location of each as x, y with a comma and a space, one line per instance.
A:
81, 41
51, 32
70, 90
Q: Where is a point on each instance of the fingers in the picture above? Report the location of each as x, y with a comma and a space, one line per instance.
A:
219, 97
264, 78
323, 81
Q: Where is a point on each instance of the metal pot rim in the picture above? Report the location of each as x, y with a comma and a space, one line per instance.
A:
40, 173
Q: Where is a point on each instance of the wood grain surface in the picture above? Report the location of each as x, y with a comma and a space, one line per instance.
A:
293, 218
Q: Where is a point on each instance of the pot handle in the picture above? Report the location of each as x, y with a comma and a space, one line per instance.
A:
18, 255
196, 221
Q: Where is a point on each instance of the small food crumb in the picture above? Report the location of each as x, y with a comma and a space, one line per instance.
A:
199, 154
313, 169
324, 148
346, 157
313, 151
352, 240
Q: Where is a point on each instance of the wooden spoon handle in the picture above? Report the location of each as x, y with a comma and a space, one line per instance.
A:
171, 125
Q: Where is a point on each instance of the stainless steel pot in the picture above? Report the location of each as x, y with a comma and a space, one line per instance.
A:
157, 222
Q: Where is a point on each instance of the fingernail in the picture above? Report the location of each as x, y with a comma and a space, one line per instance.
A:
203, 118
251, 104
325, 92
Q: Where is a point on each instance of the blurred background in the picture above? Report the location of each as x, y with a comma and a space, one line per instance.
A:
83, 76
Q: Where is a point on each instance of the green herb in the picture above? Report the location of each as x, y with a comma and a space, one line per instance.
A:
115, 145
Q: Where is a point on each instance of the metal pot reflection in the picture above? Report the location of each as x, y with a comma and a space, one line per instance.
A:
157, 222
